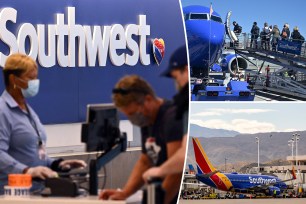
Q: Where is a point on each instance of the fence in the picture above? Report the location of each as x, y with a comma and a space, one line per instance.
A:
296, 48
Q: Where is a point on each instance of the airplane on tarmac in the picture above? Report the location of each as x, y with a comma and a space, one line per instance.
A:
206, 37
234, 182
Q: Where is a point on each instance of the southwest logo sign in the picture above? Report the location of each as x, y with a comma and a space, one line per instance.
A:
158, 50
95, 42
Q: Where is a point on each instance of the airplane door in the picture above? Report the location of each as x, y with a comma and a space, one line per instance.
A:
229, 32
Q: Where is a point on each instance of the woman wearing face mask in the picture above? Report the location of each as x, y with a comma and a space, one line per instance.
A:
22, 136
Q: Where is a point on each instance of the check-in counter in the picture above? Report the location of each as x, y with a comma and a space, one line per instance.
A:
134, 199
36, 199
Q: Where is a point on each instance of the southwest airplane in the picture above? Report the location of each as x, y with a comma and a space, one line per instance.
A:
234, 182
206, 37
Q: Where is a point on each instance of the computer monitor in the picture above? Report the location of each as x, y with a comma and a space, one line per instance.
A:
101, 130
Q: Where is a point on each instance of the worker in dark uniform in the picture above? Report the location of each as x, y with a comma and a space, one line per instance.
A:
178, 70
161, 135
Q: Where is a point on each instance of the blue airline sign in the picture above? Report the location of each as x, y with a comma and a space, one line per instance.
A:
290, 47
83, 47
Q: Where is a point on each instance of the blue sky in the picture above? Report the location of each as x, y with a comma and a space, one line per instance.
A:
245, 12
250, 117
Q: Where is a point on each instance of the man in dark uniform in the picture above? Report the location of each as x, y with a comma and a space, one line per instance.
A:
161, 134
178, 70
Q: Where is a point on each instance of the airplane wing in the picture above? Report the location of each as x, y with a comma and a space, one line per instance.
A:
293, 177
208, 175
196, 184
189, 176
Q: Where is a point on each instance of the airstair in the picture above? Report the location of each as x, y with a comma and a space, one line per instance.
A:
290, 77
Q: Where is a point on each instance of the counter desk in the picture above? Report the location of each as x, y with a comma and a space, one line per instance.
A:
134, 199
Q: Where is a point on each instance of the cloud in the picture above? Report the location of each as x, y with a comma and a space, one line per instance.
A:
204, 114
290, 130
239, 125
223, 111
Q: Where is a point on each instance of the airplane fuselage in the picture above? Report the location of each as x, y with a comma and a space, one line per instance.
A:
206, 35
242, 183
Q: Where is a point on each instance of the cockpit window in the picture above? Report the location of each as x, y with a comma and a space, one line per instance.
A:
216, 18
198, 16
201, 16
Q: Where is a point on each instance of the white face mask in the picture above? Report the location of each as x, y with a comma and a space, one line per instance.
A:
32, 90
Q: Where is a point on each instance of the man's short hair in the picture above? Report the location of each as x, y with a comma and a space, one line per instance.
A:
131, 89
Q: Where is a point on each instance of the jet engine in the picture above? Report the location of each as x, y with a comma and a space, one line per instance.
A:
271, 189
229, 64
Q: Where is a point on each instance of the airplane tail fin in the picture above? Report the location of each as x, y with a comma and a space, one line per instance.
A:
191, 169
203, 163
293, 173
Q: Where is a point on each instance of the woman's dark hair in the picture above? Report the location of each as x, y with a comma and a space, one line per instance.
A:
8, 72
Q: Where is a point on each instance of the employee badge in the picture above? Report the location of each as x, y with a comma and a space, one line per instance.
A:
41, 151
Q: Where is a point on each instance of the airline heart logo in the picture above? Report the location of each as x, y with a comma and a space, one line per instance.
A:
158, 50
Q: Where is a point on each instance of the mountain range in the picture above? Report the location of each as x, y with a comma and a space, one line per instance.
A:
242, 148
199, 131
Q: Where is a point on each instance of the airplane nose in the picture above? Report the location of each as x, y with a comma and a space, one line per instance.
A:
217, 37
205, 39
207, 31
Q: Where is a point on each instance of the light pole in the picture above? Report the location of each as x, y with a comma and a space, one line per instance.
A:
291, 144
295, 137
296, 154
257, 141
225, 159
